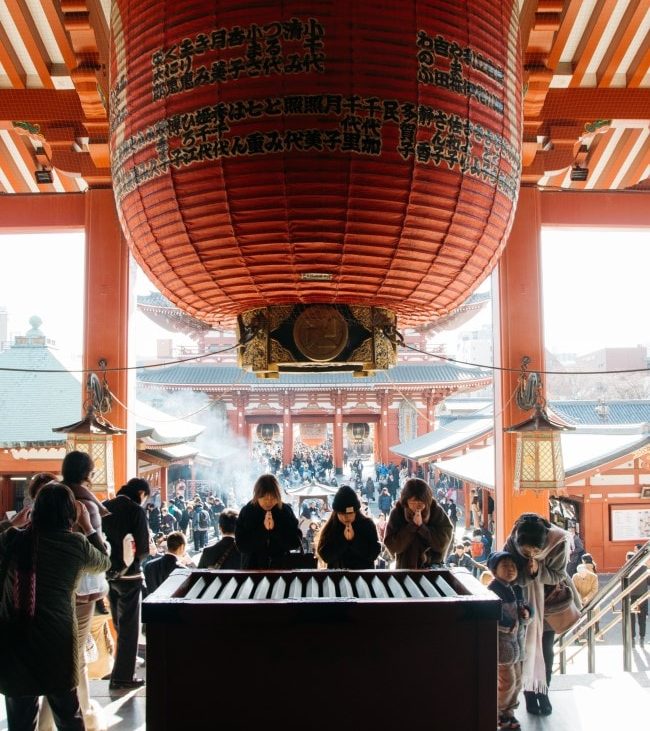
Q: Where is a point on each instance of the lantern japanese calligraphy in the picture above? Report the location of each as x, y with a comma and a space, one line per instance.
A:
336, 162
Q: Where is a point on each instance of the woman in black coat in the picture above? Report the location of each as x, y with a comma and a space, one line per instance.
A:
267, 529
348, 540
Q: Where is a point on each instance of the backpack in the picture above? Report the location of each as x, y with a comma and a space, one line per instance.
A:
204, 522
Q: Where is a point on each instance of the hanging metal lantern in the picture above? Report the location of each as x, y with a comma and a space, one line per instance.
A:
267, 432
335, 162
358, 431
538, 457
93, 435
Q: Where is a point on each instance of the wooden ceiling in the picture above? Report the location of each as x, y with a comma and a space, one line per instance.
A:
586, 105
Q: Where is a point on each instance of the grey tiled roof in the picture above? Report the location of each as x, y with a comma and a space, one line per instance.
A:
154, 299
207, 375
618, 412
32, 403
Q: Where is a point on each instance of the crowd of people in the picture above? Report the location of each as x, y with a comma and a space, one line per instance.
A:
64, 554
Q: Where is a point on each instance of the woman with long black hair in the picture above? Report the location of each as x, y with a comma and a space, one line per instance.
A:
39, 569
267, 528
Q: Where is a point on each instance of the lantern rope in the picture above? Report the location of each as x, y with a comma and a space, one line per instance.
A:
396, 338
518, 370
120, 369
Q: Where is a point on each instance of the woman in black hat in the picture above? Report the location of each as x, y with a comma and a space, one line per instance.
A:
541, 551
348, 540
419, 531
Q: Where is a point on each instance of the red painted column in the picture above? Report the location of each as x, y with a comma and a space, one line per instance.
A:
287, 434
431, 412
518, 310
338, 434
383, 426
106, 315
163, 484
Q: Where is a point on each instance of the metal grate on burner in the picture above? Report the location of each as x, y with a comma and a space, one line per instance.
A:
276, 588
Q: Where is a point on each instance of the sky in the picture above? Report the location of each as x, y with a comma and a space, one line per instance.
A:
595, 289
43, 274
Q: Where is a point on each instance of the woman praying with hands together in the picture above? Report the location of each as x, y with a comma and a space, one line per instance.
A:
419, 531
267, 529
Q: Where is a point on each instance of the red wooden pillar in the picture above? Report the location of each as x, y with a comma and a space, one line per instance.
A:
6, 495
106, 315
338, 434
518, 304
163, 484
287, 435
383, 426
431, 412
467, 504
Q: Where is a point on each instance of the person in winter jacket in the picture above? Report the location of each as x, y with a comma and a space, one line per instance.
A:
515, 615
267, 529
349, 539
419, 531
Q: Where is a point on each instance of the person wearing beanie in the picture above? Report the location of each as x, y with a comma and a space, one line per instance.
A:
541, 553
419, 531
348, 540
515, 615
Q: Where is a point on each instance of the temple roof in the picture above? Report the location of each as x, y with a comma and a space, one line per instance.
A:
456, 433
452, 435
581, 451
32, 403
603, 412
217, 375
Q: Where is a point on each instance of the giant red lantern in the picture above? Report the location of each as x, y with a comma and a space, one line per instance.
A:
316, 168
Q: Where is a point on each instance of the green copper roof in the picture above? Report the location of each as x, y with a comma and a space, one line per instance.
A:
32, 403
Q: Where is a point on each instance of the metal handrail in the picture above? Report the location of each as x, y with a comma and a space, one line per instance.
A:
618, 589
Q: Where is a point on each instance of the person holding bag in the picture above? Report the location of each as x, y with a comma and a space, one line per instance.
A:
40, 566
541, 552
348, 540
267, 529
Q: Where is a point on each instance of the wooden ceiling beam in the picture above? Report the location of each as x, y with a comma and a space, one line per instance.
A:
40, 105
82, 163
591, 37
10, 62
526, 21
11, 170
52, 10
567, 20
629, 138
600, 146
640, 65
638, 167
32, 40
618, 46
31, 159
43, 211
591, 104
67, 182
